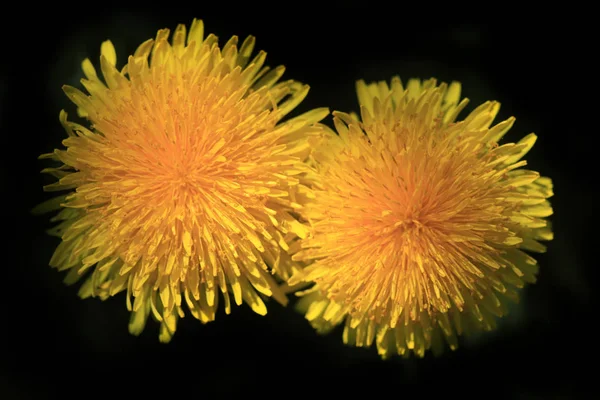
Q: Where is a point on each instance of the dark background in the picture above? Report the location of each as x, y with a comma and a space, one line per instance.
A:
54, 344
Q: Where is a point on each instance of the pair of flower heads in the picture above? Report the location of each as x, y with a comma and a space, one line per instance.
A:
189, 190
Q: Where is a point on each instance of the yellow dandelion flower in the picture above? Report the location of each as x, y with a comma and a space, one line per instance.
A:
185, 183
419, 221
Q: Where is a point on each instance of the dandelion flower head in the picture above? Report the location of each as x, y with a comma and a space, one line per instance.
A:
420, 222
183, 182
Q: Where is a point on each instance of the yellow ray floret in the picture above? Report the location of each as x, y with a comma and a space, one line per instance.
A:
185, 184
419, 221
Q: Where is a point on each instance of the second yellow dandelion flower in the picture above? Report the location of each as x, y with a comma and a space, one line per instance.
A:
420, 221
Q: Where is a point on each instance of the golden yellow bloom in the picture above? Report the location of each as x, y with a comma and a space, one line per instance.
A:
185, 183
419, 221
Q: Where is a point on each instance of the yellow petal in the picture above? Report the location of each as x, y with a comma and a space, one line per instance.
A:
108, 51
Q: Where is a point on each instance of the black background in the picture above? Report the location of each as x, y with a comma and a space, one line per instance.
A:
54, 344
